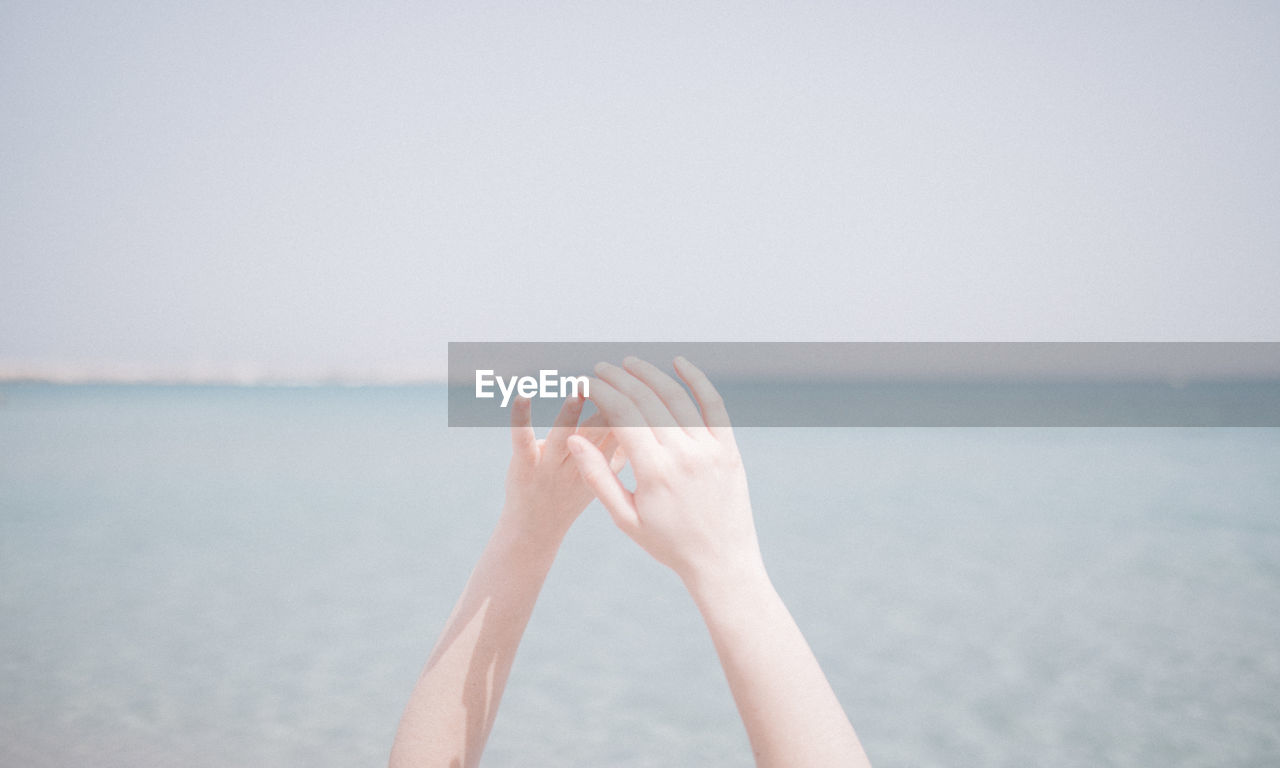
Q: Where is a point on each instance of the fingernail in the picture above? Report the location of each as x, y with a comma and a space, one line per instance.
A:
574, 448
601, 368
680, 360
630, 360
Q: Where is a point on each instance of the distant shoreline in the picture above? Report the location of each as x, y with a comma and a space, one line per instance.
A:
210, 375
733, 382
222, 381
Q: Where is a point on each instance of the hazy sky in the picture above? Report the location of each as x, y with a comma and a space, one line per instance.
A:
349, 187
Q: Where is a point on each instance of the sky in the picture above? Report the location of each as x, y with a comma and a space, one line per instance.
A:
303, 188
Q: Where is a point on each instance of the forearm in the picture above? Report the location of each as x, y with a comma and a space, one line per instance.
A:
790, 712
455, 701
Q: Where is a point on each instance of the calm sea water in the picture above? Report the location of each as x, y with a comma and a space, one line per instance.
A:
254, 576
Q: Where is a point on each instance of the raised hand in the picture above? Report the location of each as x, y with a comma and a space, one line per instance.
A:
453, 706
690, 510
545, 492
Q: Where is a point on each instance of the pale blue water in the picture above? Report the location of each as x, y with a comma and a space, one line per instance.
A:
225, 577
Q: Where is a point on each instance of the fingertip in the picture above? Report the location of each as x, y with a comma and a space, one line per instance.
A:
592, 383
594, 386
682, 364
573, 402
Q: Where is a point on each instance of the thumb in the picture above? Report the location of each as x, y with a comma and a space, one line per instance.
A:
604, 483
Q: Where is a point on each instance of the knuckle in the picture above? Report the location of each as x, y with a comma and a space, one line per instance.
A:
684, 451
696, 460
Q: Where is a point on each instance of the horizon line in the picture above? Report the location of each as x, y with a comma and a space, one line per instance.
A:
222, 375
345, 380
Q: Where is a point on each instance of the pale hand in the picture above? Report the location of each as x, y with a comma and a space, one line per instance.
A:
545, 492
690, 508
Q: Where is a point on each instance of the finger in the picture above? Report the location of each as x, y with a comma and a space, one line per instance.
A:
713, 413
671, 393
602, 437
523, 441
618, 460
625, 420
594, 428
608, 446
605, 484
565, 424
655, 412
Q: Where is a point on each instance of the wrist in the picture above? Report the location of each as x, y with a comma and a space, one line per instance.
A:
525, 536
718, 582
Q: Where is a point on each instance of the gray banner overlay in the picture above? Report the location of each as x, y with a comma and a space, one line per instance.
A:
908, 384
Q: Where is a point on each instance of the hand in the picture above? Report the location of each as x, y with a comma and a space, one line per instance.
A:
690, 508
545, 492
455, 701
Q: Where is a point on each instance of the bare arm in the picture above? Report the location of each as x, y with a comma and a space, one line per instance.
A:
452, 708
691, 511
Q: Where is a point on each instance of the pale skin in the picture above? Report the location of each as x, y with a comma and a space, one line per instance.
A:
690, 510
452, 708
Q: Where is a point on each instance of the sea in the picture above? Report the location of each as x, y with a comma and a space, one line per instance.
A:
255, 575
